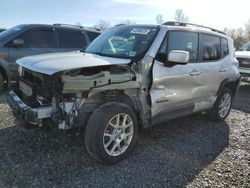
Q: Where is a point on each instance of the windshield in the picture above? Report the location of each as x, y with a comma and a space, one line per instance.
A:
9, 32
123, 41
245, 47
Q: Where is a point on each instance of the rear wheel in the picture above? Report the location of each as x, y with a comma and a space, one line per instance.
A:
222, 105
111, 132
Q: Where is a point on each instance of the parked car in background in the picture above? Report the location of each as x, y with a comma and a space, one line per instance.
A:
1, 30
243, 56
130, 76
31, 39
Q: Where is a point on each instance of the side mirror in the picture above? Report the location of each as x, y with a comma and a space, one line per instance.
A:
18, 42
178, 56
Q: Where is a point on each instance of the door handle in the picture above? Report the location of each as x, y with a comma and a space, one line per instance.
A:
194, 73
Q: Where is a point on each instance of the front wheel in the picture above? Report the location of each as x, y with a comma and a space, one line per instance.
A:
111, 132
222, 105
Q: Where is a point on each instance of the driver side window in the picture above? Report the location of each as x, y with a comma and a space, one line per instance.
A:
37, 38
179, 40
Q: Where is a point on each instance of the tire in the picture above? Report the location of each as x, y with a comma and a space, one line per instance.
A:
104, 121
216, 113
1, 83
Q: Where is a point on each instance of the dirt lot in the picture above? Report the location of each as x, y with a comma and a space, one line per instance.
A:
191, 151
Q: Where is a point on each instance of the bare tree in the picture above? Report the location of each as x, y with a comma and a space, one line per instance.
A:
239, 36
159, 19
247, 27
102, 25
180, 16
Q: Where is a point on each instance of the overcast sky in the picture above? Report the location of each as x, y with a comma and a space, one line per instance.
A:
214, 13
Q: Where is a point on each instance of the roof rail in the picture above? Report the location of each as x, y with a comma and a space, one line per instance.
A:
175, 23
78, 26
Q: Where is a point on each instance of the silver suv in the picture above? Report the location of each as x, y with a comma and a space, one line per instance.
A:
131, 76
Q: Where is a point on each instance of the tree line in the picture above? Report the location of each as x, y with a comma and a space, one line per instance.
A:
239, 35
178, 16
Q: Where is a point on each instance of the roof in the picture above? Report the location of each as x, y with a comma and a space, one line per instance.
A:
59, 25
183, 26
193, 27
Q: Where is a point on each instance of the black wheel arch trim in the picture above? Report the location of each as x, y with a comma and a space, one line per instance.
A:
233, 82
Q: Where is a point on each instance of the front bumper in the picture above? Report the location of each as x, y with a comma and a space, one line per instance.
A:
25, 112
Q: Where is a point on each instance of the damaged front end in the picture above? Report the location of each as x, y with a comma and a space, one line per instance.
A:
66, 99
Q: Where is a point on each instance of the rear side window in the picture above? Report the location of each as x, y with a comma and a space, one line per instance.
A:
38, 38
92, 35
71, 39
186, 41
211, 47
224, 47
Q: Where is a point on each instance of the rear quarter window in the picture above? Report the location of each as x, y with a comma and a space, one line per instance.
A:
224, 47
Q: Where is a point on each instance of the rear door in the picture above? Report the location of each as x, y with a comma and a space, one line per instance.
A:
211, 66
35, 41
175, 87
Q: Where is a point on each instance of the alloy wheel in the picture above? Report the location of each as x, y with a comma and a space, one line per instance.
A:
118, 134
224, 105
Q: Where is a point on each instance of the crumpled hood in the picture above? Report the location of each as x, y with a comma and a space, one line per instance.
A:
57, 62
242, 54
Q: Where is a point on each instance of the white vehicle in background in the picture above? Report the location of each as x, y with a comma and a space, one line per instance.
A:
243, 56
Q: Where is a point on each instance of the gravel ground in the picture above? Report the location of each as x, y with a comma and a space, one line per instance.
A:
191, 151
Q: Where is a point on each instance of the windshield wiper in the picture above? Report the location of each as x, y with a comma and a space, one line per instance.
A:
110, 55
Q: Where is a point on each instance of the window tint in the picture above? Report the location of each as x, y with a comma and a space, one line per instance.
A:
186, 41
210, 47
71, 39
92, 35
224, 47
38, 38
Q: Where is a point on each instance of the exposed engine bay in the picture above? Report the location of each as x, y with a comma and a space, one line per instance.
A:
65, 95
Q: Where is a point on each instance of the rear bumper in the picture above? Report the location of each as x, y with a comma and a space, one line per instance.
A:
25, 112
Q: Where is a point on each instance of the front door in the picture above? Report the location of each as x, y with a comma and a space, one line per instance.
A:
175, 88
35, 41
